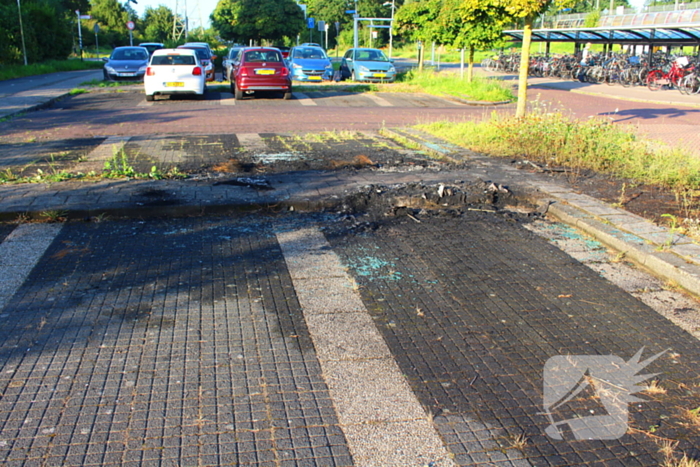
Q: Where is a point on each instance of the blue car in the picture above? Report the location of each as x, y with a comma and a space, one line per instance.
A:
308, 63
126, 64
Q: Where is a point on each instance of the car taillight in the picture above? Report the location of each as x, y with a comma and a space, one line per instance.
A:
197, 71
285, 71
150, 71
244, 71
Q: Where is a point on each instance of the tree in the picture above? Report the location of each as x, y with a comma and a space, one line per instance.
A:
158, 23
472, 25
47, 30
112, 17
527, 11
243, 20
419, 21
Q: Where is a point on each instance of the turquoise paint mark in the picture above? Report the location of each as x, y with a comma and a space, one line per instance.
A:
375, 268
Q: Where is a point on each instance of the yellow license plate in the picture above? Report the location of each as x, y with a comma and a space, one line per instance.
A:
264, 72
315, 78
380, 75
175, 84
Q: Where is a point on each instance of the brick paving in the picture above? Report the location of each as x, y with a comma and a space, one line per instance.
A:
472, 308
185, 347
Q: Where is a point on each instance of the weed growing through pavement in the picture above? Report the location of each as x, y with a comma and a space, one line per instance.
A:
655, 388
53, 216
518, 442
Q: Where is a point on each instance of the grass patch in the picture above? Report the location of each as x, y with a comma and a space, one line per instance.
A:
551, 139
479, 89
52, 66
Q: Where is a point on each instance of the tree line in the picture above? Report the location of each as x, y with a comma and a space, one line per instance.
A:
50, 26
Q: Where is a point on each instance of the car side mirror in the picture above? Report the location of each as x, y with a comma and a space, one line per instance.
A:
391, 60
105, 59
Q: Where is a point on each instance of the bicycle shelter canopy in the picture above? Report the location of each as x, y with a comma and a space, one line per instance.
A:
677, 35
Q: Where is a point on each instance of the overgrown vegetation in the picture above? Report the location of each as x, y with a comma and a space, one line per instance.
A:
479, 89
117, 166
551, 139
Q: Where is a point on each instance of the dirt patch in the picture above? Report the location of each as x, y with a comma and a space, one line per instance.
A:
658, 204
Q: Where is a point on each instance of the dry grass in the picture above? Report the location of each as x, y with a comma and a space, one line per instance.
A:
357, 162
655, 388
230, 166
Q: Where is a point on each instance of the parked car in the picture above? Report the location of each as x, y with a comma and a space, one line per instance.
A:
309, 64
229, 60
261, 69
284, 49
126, 64
152, 46
367, 65
205, 58
201, 44
174, 71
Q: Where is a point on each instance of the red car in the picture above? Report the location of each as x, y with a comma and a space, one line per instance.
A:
260, 69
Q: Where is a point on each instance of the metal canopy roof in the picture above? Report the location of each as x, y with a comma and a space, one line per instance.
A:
668, 34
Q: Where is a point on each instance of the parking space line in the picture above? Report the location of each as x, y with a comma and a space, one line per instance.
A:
97, 157
251, 142
378, 100
304, 99
227, 98
379, 414
20, 252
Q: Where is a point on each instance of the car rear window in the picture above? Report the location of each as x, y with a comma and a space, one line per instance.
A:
173, 60
202, 54
263, 56
130, 54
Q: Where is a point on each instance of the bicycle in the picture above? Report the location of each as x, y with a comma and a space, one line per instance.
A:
657, 78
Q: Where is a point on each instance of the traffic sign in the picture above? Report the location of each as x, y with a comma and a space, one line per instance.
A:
96, 28
130, 25
310, 23
321, 26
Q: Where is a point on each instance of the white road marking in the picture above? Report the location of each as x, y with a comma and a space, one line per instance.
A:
382, 419
20, 252
251, 142
304, 99
227, 99
378, 100
97, 157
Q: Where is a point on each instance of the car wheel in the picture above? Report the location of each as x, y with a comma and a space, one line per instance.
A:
237, 93
233, 87
352, 76
287, 95
105, 76
150, 97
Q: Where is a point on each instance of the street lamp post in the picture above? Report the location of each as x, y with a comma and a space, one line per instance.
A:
391, 27
21, 33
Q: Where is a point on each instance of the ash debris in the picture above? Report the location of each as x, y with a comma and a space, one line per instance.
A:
418, 202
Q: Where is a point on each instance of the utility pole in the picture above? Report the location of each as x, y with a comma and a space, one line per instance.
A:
21, 32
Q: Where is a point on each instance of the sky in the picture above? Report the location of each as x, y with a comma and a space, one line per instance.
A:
196, 9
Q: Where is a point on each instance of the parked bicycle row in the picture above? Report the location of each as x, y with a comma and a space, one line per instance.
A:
664, 71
